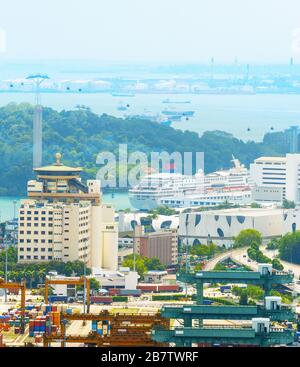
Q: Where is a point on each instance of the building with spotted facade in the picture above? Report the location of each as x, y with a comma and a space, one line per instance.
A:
221, 226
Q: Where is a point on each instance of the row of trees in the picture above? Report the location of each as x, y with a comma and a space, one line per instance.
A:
142, 264
35, 273
256, 254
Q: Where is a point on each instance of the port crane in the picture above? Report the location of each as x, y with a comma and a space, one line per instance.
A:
125, 329
78, 281
22, 287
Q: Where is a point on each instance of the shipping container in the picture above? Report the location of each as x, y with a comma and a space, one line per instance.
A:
101, 299
130, 292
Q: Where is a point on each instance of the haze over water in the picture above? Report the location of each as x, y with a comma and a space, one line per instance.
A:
230, 113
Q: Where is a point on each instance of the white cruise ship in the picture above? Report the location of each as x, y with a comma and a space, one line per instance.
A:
178, 190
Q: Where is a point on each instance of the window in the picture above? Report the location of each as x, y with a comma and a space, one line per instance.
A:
28, 249
43, 249
49, 249
43, 232
28, 257
21, 232
50, 241
28, 232
36, 232
21, 248
28, 241
28, 218
43, 224
35, 249
43, 218
36, 241
21, 240
43, 257
49, 257
35, 257
21, 257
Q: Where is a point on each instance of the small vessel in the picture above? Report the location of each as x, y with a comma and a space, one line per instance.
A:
122, 106
162, 120
167, 100
171, 112
116, 94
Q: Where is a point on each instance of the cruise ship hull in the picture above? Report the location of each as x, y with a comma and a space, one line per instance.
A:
143, 204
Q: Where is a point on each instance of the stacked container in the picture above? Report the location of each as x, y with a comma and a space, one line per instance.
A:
101, 327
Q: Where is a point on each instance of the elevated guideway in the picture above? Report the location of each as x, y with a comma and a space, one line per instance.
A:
208, 312
220, 334
265, 280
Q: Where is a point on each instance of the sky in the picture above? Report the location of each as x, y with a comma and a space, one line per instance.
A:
165, 31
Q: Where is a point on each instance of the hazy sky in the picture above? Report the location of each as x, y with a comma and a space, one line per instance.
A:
151, 30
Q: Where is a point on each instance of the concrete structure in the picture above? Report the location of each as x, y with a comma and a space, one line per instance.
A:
127, 221
276, 178
162, 244
64, 220
124, 278
221, 226
155, 276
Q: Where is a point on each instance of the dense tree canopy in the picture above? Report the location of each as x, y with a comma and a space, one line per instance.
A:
247, 237
289, 247
80, 135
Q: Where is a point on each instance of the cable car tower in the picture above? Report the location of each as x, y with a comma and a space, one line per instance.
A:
37, 80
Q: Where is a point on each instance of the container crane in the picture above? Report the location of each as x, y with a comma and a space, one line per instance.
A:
79, 281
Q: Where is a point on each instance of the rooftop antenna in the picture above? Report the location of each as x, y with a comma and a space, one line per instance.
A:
37, 80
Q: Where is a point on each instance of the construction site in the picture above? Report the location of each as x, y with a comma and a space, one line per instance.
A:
142, 321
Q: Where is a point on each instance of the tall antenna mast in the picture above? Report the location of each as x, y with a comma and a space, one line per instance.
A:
37, 80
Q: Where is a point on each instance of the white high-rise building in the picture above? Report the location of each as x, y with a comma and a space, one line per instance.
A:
65, 220
276, 178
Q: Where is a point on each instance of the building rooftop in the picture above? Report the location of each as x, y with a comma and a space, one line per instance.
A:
271, 159
58, 167
253, 212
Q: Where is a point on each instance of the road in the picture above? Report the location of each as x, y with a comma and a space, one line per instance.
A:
240, 256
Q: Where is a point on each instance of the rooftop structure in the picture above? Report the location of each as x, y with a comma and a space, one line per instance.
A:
58, 182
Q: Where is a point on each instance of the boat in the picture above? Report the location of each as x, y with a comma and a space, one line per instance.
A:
167, 100
177, 190
172, 112
162, 120
116, 94
122, 108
